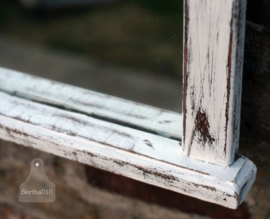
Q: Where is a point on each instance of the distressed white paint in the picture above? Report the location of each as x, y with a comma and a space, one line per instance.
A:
213, 58
139, 155
163, 122
214, 36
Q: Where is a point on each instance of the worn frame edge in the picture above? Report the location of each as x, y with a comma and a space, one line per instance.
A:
158, 121
145, 169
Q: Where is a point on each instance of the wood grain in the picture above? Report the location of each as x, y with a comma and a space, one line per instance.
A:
136, 154
213, 60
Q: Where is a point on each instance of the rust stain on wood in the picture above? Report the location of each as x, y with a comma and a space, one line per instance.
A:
202, 126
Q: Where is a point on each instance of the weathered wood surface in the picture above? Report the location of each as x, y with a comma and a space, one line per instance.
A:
213, 59
136, 154
151, 119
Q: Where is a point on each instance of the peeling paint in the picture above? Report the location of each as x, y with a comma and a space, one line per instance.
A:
97, 105
212, 79
161, 165
202, 126
148, 143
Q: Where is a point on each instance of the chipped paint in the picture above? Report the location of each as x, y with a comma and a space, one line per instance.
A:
202, 126
213, 59
139, 155
125, 112
97, 129
148, 143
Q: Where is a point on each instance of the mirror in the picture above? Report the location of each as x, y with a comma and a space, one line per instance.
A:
130, 48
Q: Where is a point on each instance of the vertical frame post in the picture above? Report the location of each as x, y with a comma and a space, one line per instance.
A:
212, 78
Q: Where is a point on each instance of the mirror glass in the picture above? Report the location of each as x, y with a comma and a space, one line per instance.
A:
126, 48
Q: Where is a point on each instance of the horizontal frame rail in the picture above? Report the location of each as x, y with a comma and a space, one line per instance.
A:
125, 112
122, 150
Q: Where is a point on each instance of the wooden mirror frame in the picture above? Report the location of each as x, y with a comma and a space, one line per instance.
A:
143, 142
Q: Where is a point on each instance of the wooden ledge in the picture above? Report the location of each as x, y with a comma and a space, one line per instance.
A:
122, 150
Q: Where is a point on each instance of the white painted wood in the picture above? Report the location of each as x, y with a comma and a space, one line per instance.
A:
92, 128
152, 119
136, 154
213, 59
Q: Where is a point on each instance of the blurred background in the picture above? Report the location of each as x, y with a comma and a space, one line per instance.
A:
127, 48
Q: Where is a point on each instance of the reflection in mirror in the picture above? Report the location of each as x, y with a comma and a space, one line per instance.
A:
129, 48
